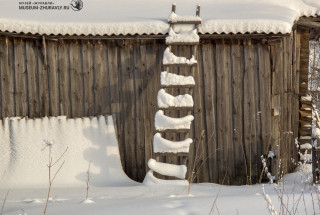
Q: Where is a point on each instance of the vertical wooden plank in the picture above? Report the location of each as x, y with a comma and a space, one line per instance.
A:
277, 92
96, 70
33, 104
224, 109
115, 88
208, 73
147, 121
101, 81
76, 79
249, 111
53, 76
153, 59
137, 65
199, 122
87, 50
290, 103
295, 83
64, 77
43, 79
256, 95
21, 99
237, 87
284, 107
7, 78
265, 95
229, 154
128, 108
220, 107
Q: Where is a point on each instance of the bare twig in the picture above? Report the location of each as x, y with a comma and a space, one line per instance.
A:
4, 202
215, 200
51, 163
88, 180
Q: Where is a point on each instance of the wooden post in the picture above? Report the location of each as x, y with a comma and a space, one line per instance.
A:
173, 8
198, 10
198, 14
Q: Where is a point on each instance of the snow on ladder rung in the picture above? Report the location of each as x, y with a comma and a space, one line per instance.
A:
183, 38
168, 79
178, 171
161, 145
176, 19
166, 100
151, 180
170, 59
163, 122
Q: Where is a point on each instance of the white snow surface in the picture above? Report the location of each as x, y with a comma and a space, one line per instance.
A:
315, 132
170, 58
163, 122
166, 100
167, 169
306, 98
144, 17
24, 156
182, 37
173, 17
168, 199
163, 145
167, 79
151, 180
305, 146
305, 137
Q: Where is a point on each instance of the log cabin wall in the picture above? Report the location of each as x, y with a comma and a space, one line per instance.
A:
246, 96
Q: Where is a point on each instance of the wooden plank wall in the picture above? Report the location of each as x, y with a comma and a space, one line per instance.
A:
236, 81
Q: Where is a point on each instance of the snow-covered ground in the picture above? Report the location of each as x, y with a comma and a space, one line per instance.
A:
165, 199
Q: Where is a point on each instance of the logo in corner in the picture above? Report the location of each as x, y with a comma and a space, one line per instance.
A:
76, 5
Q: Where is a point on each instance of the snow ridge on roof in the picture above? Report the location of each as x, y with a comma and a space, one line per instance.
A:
142, 17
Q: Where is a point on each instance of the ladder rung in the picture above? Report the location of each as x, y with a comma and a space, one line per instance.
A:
177, 86
181, 65
183, 43
176, 108
190, 22
181, 154
174, 131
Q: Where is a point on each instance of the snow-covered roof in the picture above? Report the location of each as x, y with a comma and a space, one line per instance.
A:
127, 17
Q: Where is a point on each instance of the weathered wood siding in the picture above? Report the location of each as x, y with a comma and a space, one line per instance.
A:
239, 82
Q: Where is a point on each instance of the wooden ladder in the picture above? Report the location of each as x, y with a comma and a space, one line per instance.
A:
189, 69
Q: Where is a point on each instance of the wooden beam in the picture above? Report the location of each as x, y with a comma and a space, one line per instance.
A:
308, 24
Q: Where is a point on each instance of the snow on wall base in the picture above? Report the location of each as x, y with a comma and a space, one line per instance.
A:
151, 180
24, 157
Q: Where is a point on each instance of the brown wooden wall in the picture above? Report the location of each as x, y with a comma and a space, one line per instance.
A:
239, 82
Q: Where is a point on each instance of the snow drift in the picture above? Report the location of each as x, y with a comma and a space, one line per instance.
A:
24, 157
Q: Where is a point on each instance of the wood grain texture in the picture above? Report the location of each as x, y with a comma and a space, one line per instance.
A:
237, 85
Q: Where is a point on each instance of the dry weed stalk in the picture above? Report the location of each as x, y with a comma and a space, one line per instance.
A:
50, 164
88, 179
199, 161
214, 204
4, 202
